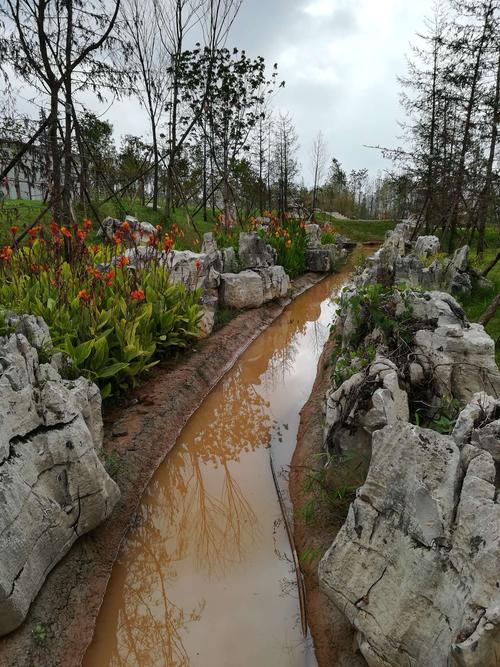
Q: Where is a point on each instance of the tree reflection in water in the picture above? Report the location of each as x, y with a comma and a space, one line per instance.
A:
195, 519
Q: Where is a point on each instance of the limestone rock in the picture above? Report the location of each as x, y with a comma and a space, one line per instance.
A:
254, 252
478, 411
427, 246
241, 290
229, 261
209, 244
53, 488
313, 236
275, 282
415, 566
461, 361
318, 260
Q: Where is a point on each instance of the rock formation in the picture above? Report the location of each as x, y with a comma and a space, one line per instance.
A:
53, 487
416, 566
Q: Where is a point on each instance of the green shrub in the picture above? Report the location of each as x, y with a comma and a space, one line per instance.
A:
114, 323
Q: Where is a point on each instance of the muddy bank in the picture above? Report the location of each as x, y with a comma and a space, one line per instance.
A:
61, 622
333, 636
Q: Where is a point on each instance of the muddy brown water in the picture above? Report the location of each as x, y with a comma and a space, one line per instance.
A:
205, 575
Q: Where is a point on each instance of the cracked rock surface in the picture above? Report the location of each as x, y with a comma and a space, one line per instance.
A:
416, 566
53, 487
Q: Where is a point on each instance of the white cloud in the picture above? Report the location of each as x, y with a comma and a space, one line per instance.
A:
320, 8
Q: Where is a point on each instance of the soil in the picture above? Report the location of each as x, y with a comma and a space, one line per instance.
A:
139, 433
334, 637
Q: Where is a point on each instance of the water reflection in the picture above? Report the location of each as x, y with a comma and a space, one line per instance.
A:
199, 578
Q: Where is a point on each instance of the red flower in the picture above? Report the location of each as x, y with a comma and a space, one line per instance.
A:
117, 238
87, 224
81, 235
109, 278
125, 227
168, 243
65, 231
95, 249
198, 265
13, 230
137, 295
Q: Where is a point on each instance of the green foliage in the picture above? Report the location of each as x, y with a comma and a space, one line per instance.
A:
40, 633
289, 240
361, 231
114, 323
331, 489
223, 316
481, 297
112, 463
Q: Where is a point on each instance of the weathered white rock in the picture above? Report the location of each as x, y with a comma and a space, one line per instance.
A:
415, 566
53, 488
460, 361
318, 260
478, 411
142, 230
229, 261
352, 415
313, 235
254, 252
241, 290
275, 282
209, 244
427, 246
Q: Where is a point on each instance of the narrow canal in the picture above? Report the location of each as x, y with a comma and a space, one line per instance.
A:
205, 577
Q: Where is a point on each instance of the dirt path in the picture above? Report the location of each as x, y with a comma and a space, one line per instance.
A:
333, 636
137, 439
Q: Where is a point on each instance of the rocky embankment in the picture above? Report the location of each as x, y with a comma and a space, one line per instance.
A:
53, 487
416, 566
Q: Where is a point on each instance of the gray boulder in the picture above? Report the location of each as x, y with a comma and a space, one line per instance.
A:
254, 252
53, 487
230, 262
415, 566
241, 290
318, 260
313, 236
275, 282
427, 246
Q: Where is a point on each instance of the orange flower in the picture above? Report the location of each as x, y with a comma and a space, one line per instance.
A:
168, 243
152, 240
109, 278
6, 253
117, 238
84, 296
81, 235
33, 231
122, 261
289, 243
95, 249
13, 230
65, 231
137, 295
87, 224
125, 227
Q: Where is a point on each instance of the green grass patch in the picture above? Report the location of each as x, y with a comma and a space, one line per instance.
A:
360, 231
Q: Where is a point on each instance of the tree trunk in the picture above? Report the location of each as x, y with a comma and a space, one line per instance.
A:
490, 312
484, 202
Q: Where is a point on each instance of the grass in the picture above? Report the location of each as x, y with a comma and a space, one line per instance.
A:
360, 231
481, 297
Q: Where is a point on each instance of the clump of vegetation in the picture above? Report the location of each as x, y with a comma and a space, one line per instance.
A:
40, 633
288, 238
331, 488
114, 322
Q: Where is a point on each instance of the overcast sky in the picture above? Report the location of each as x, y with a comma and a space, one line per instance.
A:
340, 60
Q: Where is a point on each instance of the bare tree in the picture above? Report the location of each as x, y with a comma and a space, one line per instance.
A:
318, 158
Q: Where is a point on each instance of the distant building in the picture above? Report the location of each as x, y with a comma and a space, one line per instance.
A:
28, 178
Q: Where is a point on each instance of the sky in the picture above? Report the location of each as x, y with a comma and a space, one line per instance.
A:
340, 60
